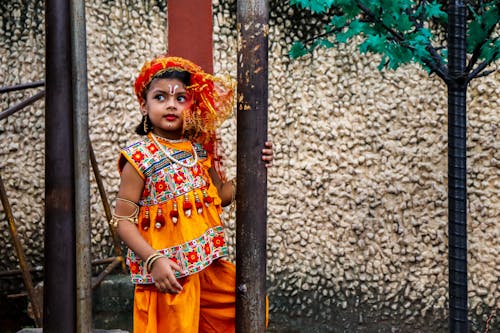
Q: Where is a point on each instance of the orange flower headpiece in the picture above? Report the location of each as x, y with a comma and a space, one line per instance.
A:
212, 96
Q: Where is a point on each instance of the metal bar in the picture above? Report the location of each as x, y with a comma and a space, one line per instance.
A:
22, 105
457, 170
107, 208
60, 277
97, 281
82, 169
28, 281
251, 197
21, 86
11, 272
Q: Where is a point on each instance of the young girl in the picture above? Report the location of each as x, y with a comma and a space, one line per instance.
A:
169, 201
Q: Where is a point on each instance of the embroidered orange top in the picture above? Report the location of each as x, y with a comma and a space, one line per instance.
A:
179, 208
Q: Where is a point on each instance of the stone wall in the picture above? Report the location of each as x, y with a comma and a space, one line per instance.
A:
357, 195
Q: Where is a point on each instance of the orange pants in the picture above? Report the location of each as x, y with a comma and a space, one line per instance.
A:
206, 304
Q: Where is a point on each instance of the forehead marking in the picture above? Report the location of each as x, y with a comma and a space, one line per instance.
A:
172, 89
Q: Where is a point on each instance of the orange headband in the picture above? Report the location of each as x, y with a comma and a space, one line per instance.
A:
212, 97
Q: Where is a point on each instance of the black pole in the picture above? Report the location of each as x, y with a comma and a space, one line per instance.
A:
457, 168
251, 197
59, 284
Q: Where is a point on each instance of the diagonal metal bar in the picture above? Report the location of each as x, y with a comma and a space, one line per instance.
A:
21, 86
22, 105
28, 281
107, 208
97, 281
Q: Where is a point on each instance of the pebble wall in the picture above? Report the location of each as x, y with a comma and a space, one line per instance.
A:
357, 237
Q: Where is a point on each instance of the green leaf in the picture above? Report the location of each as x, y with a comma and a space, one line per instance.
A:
297, 50
316, 6
404, 24
490, 51
373, 43
433, 9
398, 55
419, 44
338, 21
479, 27
354, 28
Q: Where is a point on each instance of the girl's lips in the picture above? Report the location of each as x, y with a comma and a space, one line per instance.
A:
170, 117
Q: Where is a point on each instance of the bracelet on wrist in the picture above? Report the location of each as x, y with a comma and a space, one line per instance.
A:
151, 260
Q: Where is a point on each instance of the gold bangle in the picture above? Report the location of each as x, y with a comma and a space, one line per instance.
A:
151, 260
132, 218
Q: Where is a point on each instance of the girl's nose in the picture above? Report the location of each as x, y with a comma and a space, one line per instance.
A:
171, 102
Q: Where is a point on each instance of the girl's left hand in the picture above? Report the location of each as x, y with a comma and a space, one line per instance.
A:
267, 154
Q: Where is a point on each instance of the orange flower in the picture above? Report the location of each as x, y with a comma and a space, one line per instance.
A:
160, 186
134, 268
218, 241
152, 148
138, 156
192, 257
179, 177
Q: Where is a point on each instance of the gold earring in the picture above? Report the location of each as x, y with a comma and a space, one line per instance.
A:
145, 124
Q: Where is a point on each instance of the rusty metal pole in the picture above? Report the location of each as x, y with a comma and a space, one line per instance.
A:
251, 197
59, 283
82, 169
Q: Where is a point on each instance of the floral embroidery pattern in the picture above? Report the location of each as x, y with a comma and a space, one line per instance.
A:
165, 180
179, 177
160, 186
138, 156
134, 268
219, 241
152, 148
191, 256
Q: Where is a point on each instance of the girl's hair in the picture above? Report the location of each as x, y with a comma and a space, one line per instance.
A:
183, 76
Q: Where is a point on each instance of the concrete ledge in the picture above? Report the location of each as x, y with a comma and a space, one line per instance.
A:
40, 330
113, 303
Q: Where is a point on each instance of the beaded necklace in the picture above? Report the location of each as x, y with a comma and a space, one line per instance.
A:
173, 159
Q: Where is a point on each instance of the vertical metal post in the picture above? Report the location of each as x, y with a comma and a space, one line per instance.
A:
251, 197
457, 168
82, 169
59, 284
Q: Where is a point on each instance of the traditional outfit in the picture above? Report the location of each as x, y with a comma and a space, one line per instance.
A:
179, 217
179, 212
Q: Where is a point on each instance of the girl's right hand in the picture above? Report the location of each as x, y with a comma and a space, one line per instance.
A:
164, 277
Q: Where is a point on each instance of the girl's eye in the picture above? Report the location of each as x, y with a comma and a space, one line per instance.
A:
159, 97
181, 98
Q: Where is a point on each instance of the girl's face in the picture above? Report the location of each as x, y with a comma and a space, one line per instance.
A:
166, 100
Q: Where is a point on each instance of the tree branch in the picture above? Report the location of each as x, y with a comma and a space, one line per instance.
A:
477, 50
377, 20
435, 63
477, 71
